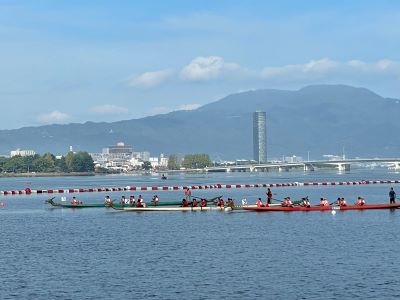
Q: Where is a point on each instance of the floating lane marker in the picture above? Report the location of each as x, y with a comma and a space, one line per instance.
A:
29, 191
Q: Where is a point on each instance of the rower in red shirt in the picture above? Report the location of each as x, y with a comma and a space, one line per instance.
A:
194, 203
185, 203
259, 203
203, 203
221, 202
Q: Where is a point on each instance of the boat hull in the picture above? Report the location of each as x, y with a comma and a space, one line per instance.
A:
197, 208
324, 208
117, 205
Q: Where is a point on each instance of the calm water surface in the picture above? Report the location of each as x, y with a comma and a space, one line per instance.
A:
49, 253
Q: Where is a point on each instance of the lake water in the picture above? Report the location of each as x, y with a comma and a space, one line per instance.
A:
50, 253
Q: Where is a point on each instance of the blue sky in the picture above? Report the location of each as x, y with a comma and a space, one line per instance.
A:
78, 61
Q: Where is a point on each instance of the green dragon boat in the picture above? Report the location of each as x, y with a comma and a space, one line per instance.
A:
120, 205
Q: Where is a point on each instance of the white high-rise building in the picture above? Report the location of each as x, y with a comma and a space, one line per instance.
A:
260, 136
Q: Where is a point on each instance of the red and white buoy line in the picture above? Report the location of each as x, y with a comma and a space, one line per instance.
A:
29, 191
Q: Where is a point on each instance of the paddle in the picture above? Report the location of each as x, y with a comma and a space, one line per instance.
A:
277, 200
333, 202
50, 200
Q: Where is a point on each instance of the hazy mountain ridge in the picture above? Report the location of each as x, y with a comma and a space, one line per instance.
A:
320, 119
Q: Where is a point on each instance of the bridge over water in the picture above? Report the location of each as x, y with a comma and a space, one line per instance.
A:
341, 165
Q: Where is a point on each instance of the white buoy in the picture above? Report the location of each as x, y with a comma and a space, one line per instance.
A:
333, 212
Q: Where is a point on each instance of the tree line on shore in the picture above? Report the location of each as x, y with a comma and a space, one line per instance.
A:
189, 161
48, 163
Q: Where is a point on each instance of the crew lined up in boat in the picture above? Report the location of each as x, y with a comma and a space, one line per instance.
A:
342, 202
221, 202
185, 203
194, 203
269, 196
203, 203
305, 202
392, 196
107, 200
287, 202
132, 200
323, 202
139, 202
155, 199
360, 201
230, 202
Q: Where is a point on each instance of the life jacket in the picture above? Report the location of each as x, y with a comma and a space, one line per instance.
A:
203, 203
187, 193
194, 203
221, 203
342, 202
139, 204
185, 203
259, 203
269, 194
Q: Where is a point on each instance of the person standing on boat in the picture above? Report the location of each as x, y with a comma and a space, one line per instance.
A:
392, 196
188, 194
269, 196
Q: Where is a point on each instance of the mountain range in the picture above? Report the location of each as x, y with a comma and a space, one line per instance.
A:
319, 119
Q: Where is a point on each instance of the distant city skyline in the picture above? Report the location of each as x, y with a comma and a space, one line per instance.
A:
71, 61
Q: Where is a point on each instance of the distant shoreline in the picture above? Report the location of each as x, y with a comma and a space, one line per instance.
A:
60, 174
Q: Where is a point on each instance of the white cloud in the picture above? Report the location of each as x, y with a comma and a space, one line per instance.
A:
53, 117
165, 110
206, 68
328, 69
151, 79
108, 109
314, 68
189, 106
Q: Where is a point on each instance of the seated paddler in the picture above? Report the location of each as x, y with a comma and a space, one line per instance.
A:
360, 201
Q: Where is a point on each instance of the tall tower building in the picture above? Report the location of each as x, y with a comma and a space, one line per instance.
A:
260, 136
